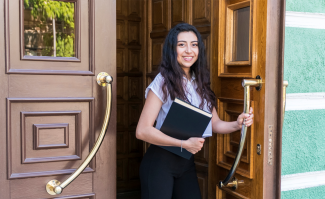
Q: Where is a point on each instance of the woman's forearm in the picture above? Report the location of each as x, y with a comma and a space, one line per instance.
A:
156, 137
225, 127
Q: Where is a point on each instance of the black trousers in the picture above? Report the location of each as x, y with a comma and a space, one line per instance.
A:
165, 175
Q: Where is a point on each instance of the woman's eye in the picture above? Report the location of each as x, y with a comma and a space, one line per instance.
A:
195, 44
180, 44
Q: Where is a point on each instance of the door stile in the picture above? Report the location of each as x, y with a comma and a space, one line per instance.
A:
259, 47
280, 100
104, 179
4, 183
273, 105
215, 81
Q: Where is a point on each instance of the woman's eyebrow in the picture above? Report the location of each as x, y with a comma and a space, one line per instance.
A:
185, 41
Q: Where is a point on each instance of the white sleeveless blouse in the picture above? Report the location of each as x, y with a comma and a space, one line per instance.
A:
191, 94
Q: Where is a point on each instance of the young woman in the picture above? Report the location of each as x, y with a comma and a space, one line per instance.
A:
183, 74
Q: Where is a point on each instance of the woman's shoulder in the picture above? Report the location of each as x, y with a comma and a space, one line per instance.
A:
159, 77
158, 80
156, 87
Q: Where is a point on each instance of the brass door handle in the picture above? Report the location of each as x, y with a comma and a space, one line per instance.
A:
55, 187
230, 181
285, 85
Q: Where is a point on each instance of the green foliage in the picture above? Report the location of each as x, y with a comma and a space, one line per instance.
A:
45, 10
65, 45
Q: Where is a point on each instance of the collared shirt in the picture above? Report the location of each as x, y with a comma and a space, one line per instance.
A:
191, 94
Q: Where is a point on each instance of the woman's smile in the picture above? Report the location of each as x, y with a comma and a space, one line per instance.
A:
188, 58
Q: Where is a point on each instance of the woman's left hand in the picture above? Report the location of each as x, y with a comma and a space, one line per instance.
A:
245, 118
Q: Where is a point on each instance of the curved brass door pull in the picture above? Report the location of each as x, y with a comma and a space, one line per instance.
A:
55, 187
229, 181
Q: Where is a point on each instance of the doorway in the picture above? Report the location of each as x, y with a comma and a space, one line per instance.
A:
141, 27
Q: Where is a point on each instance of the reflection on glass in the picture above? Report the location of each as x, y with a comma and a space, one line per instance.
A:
49, 28
241, 34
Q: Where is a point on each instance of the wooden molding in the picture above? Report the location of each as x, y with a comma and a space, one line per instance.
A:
36, 134
227, 41
224, 141
82, 196
78, 139
76, 156
49, 58
19, 69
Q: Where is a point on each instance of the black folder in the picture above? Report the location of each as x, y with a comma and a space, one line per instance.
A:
184, 121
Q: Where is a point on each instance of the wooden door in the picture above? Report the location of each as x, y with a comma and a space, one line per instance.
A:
248, 42
51, 108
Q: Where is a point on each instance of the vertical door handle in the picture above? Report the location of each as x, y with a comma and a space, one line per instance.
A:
55, 187
229, 181
285, 85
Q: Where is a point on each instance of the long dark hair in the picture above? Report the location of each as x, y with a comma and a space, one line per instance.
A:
173, 73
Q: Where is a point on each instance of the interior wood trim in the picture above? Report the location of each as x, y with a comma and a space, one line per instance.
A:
82, 196
238, 63
46, 173
231, 100
230, 29
237, 195
239, 171
78, 140
63, 99
49, 58
90, 72
91, 8
226, 39
158, 35
239, 5
236, 75
7, 35
36, 135
223, 141
233, 112
233, 155
50, 159
49, 72
90, 168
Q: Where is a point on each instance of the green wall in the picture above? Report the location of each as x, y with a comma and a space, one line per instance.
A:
309, 193
304, 60
315, 6
303, 141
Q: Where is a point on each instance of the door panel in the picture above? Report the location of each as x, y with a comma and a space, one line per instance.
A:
52, 107
27, 121
230, 100
228, 144
246, 33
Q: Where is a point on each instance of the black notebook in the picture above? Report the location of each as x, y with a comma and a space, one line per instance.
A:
184, 121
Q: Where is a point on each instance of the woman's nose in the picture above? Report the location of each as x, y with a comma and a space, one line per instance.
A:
188, 49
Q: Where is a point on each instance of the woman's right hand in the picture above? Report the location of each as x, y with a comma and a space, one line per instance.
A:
193, 145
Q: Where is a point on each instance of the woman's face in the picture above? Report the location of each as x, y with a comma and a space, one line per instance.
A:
187, 49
